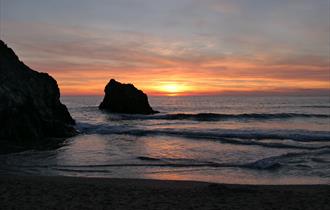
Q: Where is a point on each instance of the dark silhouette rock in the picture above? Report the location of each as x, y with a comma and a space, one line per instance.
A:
125, 98
31, 113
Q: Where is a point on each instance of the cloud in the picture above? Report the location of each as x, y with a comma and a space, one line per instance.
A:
224, 6
83, 59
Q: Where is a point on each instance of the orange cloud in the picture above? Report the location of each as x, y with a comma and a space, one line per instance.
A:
85, 64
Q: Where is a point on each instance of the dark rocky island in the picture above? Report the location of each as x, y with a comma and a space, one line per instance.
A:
31, 114
125, 98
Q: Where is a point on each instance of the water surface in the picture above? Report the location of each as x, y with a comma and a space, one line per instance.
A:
254, 140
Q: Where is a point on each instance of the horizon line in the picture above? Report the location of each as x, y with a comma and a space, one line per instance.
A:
297, 94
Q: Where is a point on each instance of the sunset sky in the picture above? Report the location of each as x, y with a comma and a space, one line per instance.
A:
178, 47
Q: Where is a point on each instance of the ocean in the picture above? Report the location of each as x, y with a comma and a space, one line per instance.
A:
241, 140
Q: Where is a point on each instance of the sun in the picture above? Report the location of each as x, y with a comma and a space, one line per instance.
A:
172, 89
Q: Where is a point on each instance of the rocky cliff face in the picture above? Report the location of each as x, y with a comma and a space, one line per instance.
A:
125, 98
30, 108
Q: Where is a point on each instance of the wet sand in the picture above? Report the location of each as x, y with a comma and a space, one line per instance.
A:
36, 192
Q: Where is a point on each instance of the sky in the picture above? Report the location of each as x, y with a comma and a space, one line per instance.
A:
174, 47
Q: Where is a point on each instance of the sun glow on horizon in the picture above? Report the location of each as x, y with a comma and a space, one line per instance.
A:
172, 89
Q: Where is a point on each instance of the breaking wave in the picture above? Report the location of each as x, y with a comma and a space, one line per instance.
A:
216, 117
236, 136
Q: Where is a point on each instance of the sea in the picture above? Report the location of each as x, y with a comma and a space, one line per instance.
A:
221, 139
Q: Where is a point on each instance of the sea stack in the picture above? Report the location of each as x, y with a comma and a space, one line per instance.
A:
125, 98
31, 114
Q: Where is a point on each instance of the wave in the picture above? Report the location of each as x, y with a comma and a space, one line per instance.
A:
287, 161
296, 159
316, 106
196, 164
230, 136
147, 158
216, 116
257, 166
268, 163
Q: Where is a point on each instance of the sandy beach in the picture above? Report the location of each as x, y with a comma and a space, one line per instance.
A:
36, 192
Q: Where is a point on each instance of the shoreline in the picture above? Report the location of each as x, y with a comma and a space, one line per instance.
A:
41, 192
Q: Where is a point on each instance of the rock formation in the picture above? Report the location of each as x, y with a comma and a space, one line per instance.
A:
125, 98
31, 113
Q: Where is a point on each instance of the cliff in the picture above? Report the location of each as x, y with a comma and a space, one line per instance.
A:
30, 109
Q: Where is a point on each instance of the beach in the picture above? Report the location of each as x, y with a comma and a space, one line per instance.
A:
46, 192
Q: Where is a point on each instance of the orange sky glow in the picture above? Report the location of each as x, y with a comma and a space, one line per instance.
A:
175, 47
201, 78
